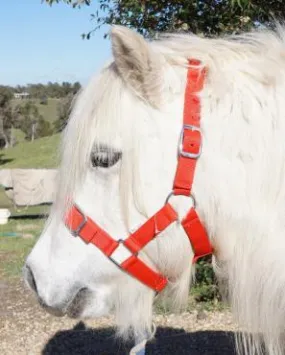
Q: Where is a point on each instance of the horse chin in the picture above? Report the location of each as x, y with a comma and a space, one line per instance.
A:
86, 304
72, 308
83, 304
79, 302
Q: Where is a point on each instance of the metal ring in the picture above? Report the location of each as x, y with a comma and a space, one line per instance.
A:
190, 196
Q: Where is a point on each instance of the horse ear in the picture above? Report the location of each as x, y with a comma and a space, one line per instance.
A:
137, 63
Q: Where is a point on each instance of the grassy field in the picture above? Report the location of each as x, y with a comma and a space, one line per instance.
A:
19, 235
16, 240
18, 134
48, 111
5, 202
42, 153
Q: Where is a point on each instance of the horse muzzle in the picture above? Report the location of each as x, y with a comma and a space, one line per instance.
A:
73, 305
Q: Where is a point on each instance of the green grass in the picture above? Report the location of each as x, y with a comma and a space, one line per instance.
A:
42, 153
48, 111
5, 202
19, 135
13, 250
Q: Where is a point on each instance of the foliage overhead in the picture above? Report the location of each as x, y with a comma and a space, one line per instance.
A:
208, 17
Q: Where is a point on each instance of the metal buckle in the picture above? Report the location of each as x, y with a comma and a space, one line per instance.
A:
180, 145
116, 260
76, 232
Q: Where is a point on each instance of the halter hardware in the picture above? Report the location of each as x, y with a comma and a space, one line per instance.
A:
127, 250
76, 232
189, 150
189, 154
191, 196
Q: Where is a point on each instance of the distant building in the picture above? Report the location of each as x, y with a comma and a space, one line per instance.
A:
21, 95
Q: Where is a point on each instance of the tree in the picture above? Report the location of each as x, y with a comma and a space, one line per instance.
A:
63, 112
210, 17
43, 128
6, 116
49, 90
44, 100
28, 117
76, 87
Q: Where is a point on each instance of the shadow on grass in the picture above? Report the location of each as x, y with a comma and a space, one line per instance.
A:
4, 160
82, 340
28, 216
32, 212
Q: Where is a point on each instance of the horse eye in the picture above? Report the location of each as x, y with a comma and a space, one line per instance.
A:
105, 158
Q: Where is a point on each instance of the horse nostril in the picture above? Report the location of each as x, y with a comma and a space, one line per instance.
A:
30, 279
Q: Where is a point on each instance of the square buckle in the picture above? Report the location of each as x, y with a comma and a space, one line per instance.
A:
76, 231
190, 155
123, 250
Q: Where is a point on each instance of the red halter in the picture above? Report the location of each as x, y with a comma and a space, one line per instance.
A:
190, 145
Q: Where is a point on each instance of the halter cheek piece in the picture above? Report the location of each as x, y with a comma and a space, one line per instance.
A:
124, 253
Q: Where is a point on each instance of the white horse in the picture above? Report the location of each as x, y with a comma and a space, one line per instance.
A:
119, 157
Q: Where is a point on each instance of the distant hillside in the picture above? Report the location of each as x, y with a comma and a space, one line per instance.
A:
42, 153
48, 111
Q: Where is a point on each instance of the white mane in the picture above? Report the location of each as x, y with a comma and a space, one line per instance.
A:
242, 203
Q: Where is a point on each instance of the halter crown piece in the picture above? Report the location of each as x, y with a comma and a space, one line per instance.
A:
190, 148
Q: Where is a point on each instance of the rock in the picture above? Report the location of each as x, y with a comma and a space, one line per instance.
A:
201, 315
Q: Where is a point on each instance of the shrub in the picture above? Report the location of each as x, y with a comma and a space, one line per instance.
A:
206, 286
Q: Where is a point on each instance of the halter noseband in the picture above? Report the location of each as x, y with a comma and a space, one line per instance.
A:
124, 253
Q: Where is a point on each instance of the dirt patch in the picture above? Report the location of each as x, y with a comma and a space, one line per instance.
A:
26, 329
5, 258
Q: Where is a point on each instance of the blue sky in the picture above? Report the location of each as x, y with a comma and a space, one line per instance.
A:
41, 43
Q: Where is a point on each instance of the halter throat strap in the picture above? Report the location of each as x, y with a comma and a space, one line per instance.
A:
125, 253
